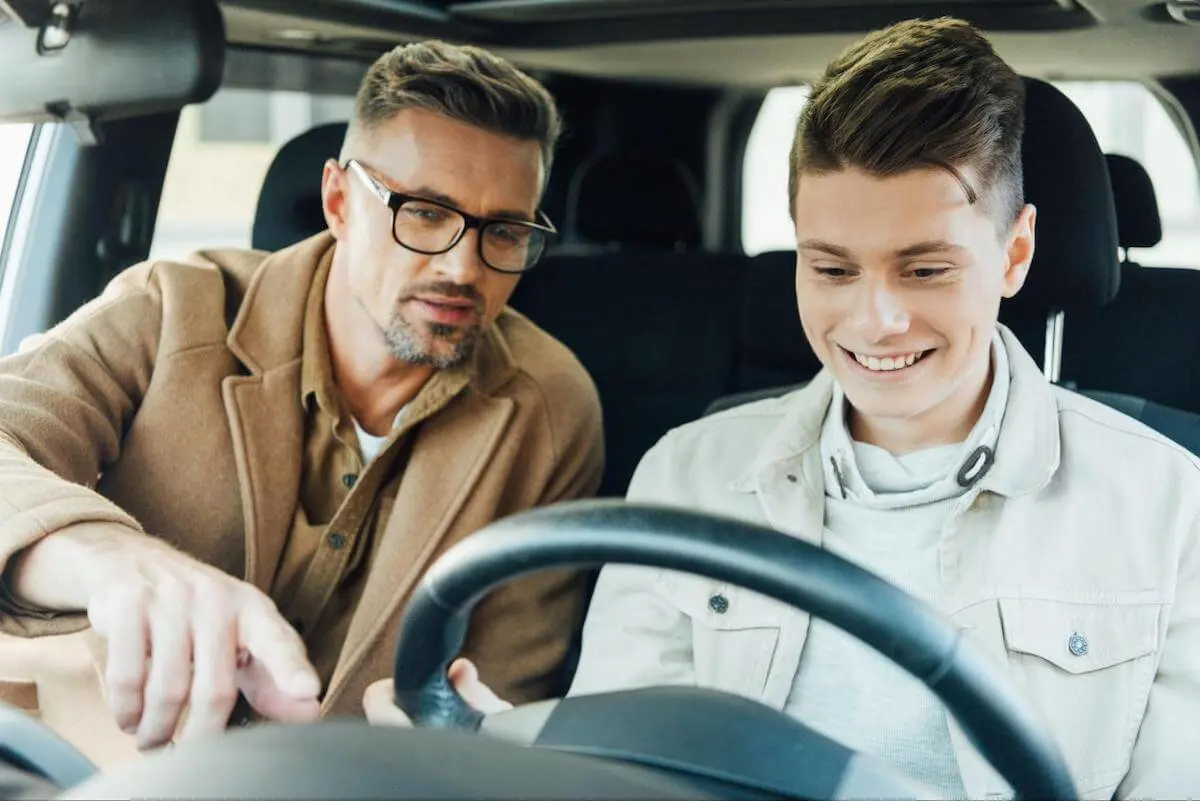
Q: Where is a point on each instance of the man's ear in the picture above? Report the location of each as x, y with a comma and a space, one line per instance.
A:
335, 204
1019, 251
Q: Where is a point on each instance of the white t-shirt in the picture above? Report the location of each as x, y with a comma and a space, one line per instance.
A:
369, 444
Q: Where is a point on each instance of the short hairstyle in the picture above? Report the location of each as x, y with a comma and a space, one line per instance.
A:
919, 93
464, 83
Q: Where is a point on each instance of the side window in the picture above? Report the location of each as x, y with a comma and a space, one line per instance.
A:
1126, 116
766, 224
14, 144
1128, 119
220, 156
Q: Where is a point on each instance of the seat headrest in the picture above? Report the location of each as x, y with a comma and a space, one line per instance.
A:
634, 198
1075, 263
289, 204
1138, 223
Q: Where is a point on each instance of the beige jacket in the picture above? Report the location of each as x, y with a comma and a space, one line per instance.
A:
170, 404
1088, 522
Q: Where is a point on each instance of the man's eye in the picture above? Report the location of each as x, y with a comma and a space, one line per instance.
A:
929, 272
423, 212
832, 272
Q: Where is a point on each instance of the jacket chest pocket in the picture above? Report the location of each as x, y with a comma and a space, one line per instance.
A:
734, 632
1087, 668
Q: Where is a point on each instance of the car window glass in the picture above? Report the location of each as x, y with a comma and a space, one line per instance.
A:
1128, 119
220, 156
14, 143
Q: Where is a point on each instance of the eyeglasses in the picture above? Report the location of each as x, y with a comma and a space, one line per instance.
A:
429, 227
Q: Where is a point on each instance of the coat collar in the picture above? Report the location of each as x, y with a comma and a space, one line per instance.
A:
1027, 449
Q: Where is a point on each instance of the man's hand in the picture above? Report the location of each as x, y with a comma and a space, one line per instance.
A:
382, 711
180, 635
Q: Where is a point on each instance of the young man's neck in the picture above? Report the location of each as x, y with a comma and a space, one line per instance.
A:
949, 423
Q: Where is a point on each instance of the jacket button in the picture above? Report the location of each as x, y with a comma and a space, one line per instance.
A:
337, 541
1078, 644
719, 604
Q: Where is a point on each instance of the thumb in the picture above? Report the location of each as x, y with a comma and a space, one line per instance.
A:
464, 676
380, 707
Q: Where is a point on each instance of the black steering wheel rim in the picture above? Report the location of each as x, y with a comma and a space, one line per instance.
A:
591, 533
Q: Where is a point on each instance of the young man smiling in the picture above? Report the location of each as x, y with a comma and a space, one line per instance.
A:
239, 465
1059, 535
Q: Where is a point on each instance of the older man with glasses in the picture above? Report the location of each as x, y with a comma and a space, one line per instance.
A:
230, 472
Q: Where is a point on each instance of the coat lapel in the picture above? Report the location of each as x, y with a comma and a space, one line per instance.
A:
267, 427
266, 418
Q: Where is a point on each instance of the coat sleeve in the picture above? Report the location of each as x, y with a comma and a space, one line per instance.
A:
522, 633
66, 398
633, 636
1164, 763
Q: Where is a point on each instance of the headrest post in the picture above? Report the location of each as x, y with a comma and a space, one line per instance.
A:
1052, 364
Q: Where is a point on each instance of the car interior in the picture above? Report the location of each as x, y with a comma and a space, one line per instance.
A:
650, 283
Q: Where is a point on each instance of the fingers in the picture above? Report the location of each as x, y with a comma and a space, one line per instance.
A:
465, 678
122, 623
279, 679
214, 671
170, 679
380, 707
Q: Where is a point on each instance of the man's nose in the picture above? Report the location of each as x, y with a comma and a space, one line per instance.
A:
461, 263
881, 312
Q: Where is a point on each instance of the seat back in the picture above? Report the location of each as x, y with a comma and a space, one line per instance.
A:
1146, 343
656, 331
289, 203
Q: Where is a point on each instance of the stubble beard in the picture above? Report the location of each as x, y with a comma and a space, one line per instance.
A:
420, 347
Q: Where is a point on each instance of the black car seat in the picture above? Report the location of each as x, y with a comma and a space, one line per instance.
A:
1146, 343
652, 318
289, 203
631, 198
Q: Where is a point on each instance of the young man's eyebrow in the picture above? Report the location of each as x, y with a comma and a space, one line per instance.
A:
825, 247
927, 248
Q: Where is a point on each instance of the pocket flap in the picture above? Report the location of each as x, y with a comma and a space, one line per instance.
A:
718, 605
1079, 638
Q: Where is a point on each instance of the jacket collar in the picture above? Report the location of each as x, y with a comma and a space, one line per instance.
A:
1027, 449
268, 331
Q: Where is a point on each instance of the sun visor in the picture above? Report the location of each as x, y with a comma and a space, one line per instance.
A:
96, 60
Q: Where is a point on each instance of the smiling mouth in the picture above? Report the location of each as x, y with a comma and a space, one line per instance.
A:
888, 364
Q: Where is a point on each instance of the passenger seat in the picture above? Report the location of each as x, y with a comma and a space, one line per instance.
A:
1146, 342
653, 318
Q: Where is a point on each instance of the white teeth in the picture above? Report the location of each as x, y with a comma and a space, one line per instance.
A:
887, 363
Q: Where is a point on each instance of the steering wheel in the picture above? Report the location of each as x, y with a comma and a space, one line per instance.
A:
702, 733
653, 743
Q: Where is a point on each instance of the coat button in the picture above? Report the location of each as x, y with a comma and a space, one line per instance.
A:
337, 541
1078, 644
719, 604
